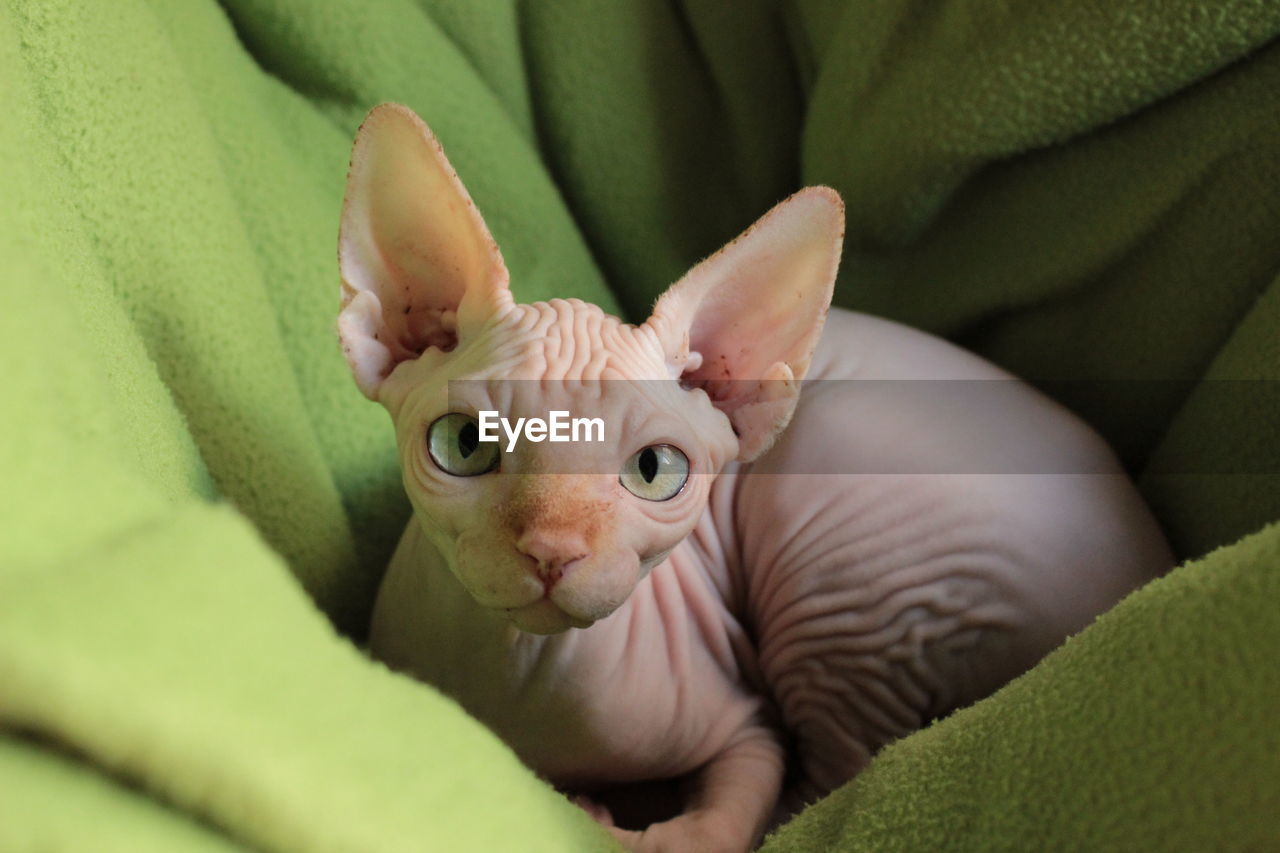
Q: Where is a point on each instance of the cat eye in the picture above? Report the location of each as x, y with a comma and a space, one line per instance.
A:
656, 473
453, 440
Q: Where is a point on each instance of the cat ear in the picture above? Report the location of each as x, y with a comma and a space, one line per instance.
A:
742, 325
417, 261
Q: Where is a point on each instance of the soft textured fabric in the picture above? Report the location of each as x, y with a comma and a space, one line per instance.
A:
198, 503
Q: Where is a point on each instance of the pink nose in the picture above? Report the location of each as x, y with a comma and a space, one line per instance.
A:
553, 551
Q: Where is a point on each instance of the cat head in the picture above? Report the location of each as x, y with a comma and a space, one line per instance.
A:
557, 535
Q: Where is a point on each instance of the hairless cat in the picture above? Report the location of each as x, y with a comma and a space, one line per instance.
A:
752, 581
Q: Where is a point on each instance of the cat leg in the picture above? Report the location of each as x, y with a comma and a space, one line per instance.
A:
731, 801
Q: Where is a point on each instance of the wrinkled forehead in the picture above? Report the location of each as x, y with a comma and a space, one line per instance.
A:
563, 340
570, 340
539, 357
570, 356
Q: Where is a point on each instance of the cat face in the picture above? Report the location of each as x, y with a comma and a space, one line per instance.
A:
554, 535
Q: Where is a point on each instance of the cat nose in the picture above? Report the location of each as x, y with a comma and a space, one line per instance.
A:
553, 551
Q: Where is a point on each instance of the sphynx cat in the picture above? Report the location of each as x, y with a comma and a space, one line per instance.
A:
750, 582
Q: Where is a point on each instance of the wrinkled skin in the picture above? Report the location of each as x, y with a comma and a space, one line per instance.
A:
608, 638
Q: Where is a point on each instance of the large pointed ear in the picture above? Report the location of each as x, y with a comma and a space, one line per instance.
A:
742, 325
417, 261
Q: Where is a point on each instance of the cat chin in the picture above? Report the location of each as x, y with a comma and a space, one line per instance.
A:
544, 617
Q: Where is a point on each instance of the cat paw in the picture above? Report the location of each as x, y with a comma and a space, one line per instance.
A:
685, 834
599, 813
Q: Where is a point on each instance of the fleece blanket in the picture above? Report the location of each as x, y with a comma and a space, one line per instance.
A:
197, 503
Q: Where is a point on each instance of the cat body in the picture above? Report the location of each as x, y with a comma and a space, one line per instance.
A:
844, 558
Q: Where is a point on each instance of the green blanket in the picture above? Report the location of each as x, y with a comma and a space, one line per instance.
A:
198, 503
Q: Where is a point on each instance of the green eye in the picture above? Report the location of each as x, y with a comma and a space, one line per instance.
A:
453, 440
656, 473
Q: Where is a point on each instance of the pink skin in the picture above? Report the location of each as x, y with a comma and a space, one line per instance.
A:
608, 638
